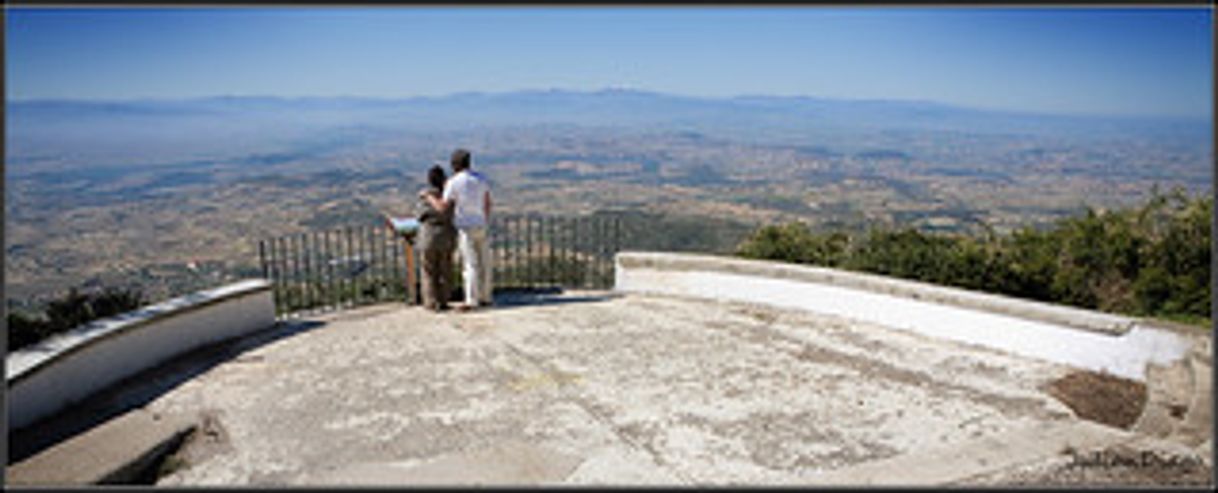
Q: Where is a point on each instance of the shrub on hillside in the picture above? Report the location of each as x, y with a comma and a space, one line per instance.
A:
1148, 260
71, 310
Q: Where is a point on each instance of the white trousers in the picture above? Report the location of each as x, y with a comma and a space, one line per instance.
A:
475, 251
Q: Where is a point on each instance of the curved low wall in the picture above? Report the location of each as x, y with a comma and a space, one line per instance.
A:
1080, 338
47, 377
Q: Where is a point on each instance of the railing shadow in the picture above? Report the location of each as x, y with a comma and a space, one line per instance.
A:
520, 298
142, 388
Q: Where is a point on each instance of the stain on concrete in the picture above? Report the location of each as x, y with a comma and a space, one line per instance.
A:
505, 463
795, 442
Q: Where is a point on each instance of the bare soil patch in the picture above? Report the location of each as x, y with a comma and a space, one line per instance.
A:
1099, 397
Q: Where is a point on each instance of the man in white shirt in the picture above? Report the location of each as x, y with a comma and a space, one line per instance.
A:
469, 194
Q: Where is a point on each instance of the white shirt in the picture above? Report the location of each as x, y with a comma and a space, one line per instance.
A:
468, 188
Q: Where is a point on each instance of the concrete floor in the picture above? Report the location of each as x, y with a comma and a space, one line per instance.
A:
596, 388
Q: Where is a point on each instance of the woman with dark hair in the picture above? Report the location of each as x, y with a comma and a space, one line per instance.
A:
437, 239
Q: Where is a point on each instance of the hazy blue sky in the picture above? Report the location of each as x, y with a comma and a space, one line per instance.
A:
1110, 61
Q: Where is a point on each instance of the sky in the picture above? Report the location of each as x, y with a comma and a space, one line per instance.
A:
1108, 61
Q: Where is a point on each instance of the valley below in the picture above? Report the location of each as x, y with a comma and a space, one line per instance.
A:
169, 222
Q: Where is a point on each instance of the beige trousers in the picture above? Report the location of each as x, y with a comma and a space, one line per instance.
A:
475, 251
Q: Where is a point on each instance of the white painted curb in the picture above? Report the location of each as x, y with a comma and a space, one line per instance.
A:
51, 375
1079, 338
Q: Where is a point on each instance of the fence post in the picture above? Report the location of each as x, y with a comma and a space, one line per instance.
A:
273, 272
602, 250
369, 262
580, 241
361, 238
357, 276
394, 256
551, 276
332, 293
494, 236
382, 285
283, 275
411, 274
608, 281
277, 268
302, 256
348, 280
298, 273
617, 235
528, 250
318, 255
310, 266
262, 257
371, 270
289, 257
572, 260
517, 244
391, 266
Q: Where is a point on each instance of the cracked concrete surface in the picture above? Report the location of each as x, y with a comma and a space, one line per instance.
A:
596, 388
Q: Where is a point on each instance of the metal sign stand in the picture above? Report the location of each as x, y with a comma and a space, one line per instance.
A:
412, 296
407, 228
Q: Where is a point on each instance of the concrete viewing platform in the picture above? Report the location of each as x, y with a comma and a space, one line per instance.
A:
605, 388
757, 379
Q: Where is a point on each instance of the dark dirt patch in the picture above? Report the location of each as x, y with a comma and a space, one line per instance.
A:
1103, 398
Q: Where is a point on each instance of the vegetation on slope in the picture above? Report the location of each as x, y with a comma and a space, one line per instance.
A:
1150, 260
71, 310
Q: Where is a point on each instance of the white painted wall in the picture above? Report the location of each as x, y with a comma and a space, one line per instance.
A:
1125, 354
47, 377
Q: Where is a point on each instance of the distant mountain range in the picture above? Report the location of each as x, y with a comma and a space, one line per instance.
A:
605, 106
94, 130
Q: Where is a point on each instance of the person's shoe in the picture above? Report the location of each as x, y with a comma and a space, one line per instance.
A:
465, 307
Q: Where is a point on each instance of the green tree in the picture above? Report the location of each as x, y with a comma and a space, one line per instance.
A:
794, 242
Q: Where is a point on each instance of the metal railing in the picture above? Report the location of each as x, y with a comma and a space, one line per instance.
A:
335, 269
358, 265
530, 251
